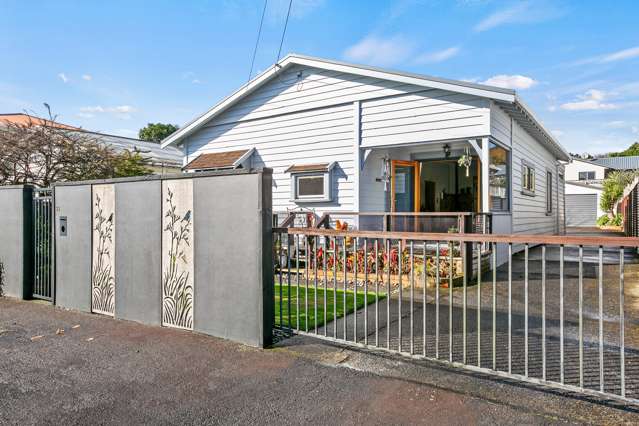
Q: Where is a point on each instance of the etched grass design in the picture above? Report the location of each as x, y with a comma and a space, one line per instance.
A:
102, 279
177, 301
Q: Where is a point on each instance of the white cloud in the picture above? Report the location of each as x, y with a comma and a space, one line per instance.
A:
190, 75
62, 76
617, 124
87, 77
120, 111
624, 125
438, 56
516, 81
301, 8
519, 13
620, 55
632, 52
591, 100
380, 51
557, 132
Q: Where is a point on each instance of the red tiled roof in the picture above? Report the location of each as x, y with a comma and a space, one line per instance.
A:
26, 120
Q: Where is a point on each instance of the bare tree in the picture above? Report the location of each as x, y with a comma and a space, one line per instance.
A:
41, 152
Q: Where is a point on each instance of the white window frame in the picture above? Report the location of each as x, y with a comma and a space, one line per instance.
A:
525, 166
549, 192
509, 176
587, 172
325, 197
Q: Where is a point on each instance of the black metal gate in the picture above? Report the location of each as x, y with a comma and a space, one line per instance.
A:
43, 282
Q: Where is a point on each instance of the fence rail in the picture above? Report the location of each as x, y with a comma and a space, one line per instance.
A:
553, 314
459, 222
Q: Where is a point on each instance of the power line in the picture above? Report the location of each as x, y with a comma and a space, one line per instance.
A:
279, 52
257, 42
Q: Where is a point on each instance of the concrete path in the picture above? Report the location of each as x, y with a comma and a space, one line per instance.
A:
105, 371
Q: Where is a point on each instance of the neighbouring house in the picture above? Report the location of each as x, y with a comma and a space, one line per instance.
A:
584, 186
350, 138
162, 161
29, 120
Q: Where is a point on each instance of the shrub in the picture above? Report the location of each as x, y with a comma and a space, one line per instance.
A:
617, 220
613, 187
603, 220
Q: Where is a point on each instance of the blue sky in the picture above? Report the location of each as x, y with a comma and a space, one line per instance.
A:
114, 66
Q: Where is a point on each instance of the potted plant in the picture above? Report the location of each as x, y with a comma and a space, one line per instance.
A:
465, 161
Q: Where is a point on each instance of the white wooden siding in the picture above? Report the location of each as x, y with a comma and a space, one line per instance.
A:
529, 212
500, 123
561, 204
427, 115
315, 88
309, 118
573, 168
372, 197
316, 136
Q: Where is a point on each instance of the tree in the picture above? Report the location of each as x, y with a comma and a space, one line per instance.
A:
131, 164
156, 132
32, 153
632, 150
613, 187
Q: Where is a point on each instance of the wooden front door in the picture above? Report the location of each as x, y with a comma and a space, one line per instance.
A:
404, 186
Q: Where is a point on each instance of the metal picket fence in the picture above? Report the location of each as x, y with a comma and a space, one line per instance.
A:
548, 310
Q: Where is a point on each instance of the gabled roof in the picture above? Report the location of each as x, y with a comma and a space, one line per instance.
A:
506, 98
151, 150
583, 160
618, 163
219, 160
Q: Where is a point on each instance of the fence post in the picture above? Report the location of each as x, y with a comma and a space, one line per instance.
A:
16, 235
467, 248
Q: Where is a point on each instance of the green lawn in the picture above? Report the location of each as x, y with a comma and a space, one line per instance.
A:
310, 317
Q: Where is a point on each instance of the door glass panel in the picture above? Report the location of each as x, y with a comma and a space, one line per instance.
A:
404, 188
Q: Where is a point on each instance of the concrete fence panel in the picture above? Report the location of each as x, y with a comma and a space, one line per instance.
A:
73, 250
190, 251
138, 296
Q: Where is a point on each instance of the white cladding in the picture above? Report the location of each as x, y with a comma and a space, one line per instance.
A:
529, 211
573, 168
308, 115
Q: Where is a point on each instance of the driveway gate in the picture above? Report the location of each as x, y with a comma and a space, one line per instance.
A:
43, 281
553, 314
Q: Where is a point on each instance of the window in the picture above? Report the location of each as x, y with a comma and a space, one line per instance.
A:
499, 178
310, 182
527, 179
586, 175
548, 192
310, 186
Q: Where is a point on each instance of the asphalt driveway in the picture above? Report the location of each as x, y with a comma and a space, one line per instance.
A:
62, 367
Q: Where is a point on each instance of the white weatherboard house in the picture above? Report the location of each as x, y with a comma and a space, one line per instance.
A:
335, 134
584, 186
